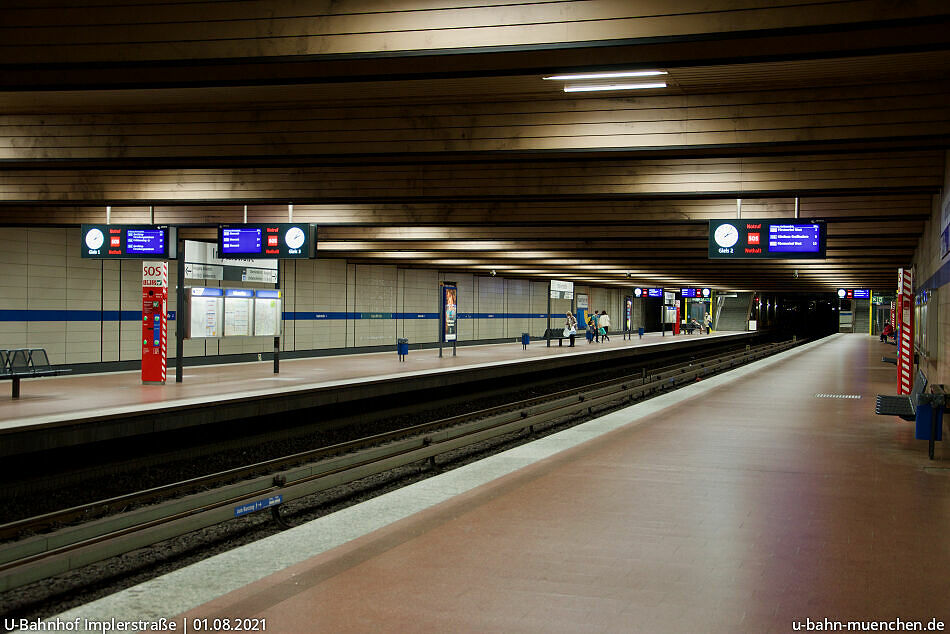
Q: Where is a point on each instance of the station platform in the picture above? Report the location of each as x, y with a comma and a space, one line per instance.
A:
752, 501
71, 410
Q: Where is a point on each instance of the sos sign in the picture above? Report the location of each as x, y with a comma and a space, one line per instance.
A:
154, 274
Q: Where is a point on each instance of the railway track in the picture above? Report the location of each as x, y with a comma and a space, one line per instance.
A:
41, 547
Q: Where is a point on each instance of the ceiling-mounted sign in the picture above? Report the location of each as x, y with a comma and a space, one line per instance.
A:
854, 293
695, 292
271, 241
766, 239
129, 242
562, 290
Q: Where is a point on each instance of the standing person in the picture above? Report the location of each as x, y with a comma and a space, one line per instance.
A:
593, 327
707, 321
571, 327
604, 324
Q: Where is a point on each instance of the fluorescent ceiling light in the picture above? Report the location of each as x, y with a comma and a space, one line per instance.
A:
614, 87
632, 73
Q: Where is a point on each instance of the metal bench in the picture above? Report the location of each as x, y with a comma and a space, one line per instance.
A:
26, 363
905, 405
889, 360
555, 333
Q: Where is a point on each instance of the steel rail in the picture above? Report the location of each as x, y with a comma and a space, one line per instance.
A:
72, 547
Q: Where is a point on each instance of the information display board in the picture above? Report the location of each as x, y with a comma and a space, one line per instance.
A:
205, 308
854, 293
766, 239
267, 313
270, 241
695, 293
129, 242
238, 315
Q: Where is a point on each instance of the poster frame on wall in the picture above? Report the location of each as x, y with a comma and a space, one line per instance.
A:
448, 315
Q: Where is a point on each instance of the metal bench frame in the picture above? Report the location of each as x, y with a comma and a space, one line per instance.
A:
548, 336
904, 406
25, 363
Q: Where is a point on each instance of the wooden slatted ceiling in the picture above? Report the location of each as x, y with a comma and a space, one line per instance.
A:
353, 215
754, 176
553, 125
898, 68
502, 92
156, 31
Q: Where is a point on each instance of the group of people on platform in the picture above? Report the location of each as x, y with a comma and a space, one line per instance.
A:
598, 327
706, 325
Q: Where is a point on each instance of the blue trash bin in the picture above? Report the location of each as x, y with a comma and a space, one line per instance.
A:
924, 421
640, 332
402, 348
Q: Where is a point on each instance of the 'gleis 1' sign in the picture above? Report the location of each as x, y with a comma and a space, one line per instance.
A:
785, 239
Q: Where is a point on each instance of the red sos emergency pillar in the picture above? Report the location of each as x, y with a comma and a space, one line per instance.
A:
904, 330
154, 321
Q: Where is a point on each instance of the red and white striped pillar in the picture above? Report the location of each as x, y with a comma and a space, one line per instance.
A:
904, 329
154, 321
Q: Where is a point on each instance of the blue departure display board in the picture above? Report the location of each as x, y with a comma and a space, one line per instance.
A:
766, 239
655, 292
145, 242
128, 242
854, 293
688, 292
241, 241
267, 241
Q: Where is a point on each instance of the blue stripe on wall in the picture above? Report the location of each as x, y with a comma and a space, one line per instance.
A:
938, 279
135, 315
310, 316
71, 315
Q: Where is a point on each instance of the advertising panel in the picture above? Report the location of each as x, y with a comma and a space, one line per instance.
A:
450, 310
627, 312
766, 239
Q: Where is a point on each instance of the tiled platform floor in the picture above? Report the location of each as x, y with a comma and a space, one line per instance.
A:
743, 503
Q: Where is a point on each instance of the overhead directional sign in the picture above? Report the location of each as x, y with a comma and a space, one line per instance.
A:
277, 240
766, 239
128, 242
